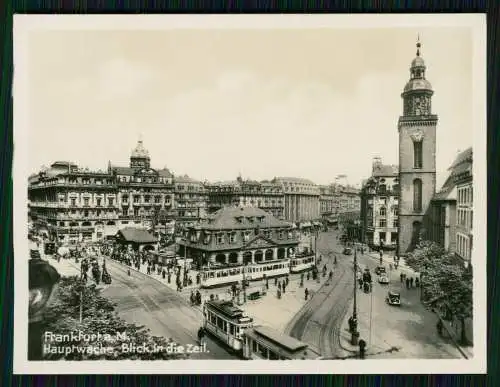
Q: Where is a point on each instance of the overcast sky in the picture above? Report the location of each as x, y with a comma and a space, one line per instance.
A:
263, 103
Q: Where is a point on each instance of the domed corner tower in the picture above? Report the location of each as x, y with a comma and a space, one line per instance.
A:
139, 158
417, 155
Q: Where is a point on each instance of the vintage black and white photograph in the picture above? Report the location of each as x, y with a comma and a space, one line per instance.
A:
190, 189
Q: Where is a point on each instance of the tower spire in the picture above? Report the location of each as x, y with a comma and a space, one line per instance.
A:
418, 45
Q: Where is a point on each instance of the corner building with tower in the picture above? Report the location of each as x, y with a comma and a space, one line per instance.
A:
417, 155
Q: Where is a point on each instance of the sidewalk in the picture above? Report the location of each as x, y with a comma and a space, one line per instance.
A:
389, 259
408, 331
277, 313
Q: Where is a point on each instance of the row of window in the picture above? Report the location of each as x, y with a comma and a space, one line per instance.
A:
86, 180
263, 352
238, 189
464, 195
190, 188
382, 236
147, 180
464, 246
259, 203
230, 237
464, 216
383, 223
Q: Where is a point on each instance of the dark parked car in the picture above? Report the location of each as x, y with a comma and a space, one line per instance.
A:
380, 270
347, 251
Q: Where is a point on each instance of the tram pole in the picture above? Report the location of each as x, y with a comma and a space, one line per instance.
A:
185, 265
244, 283
354, 330
316, 248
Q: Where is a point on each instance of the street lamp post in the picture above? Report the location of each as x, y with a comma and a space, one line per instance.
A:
316, 248
354, 327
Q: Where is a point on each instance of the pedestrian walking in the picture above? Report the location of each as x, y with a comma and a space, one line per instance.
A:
276, 281
402, 277
308, 275
439, 327
163, 274
417, 282
306, 294
411, 282
407, 283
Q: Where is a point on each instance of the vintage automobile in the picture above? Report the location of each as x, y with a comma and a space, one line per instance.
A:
49, 248
347, 251
383, 279
393, 298
380, 270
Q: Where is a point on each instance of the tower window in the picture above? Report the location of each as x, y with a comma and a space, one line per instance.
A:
417, 195
417, 154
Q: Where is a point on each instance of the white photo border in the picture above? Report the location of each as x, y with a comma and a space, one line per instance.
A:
24, 25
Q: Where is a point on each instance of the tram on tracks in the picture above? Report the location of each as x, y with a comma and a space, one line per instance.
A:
227, 275
264, 343
226, 322
301, 262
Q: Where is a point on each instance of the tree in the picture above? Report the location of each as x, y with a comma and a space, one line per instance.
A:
101, 333
446, 283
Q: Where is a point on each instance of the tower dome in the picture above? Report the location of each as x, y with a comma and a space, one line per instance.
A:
417, 81
139, 157
139, 151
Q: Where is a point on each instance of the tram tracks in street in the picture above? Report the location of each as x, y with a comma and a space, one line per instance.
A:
298, 325
319, 322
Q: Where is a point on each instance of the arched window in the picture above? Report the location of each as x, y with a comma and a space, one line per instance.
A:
382, 211
417, 154
417, 195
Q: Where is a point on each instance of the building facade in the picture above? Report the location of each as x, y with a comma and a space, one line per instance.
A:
302, 199
464, 207
72, 204
265, 195
417, 155
142, 192
441, 222
338, 203
190, 200
379, 214
239, 235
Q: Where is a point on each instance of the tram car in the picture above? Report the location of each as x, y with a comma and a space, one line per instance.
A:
226, 322
301, 262
264, 343
227, 275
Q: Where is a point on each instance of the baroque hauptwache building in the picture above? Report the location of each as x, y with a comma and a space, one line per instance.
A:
239, 235
417, 155
301, 199
380, 206
248, 193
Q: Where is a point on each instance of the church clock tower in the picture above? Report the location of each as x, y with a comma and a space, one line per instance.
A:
417, 155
